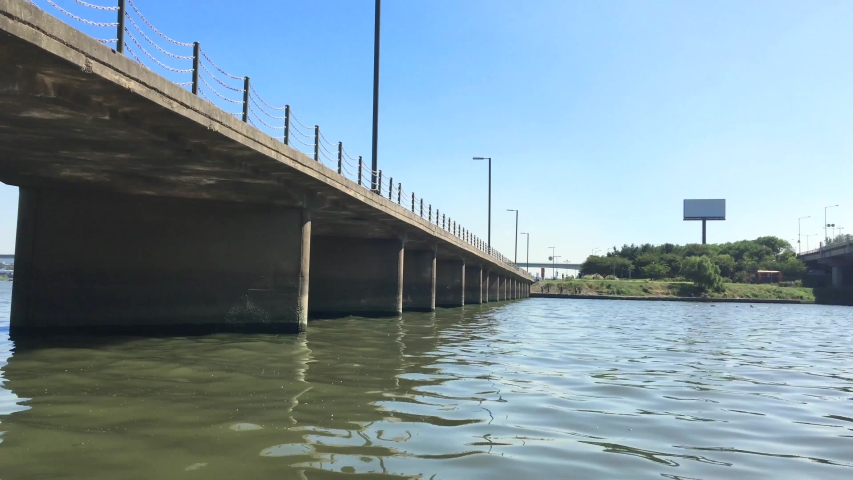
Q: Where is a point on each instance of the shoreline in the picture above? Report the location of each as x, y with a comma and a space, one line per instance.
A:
674, 299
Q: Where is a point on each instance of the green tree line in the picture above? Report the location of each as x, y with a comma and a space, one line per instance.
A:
736, 261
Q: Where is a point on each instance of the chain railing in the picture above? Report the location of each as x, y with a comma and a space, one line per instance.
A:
187, 64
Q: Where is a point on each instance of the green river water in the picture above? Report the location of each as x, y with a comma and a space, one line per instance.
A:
538, 388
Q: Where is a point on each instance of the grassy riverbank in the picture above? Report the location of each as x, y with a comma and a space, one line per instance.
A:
648, 288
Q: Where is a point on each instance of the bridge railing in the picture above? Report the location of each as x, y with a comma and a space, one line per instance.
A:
187, 64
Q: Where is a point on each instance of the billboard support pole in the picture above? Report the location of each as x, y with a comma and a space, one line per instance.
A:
704, 222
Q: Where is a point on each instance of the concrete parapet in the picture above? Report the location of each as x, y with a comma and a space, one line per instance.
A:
419, 275
356, 276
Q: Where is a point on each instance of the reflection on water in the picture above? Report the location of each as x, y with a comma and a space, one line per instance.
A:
555, 388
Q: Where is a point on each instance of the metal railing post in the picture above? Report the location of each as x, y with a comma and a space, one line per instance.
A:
316, 143
390, 187
422, 208
246, 86
413, 202
340, 158
399, 193
287, 124
120, 29
442, 221
360, 164
379, 183
196, 53
429, 219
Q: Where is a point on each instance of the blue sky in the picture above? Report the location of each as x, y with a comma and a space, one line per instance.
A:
601, 116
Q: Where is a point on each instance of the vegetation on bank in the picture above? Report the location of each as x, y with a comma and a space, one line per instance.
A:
651, 288
734, 261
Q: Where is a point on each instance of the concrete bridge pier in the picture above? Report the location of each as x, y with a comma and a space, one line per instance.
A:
473, 284
111, 262
494, 287
486, 286
450, 283
837, 276
361, 276
419, 278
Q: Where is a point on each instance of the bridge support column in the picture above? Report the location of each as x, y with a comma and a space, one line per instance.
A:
356, 276
419, 280
494, 287
501, 288
473, 284
837, 276
118, 263
450, 283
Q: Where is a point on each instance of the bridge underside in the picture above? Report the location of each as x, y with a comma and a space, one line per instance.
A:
143, 206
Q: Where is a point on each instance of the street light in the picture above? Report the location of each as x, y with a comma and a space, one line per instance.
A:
490, 200
553, 252
825, 237
800, 233
807, 240
528, 250
374, 185
516, 233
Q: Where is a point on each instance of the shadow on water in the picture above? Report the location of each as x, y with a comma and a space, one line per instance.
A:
340, 398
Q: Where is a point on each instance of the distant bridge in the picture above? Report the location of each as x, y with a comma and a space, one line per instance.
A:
838, 257
557, 265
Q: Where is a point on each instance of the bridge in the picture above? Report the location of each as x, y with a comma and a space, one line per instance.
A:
557, 265
145, 207
837, 256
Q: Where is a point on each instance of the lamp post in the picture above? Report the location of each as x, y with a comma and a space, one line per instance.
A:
595, 250
516, 233
800, 233
825, 237
807, 239
553, 251
489, 238
374, 184
528, 250
554, 265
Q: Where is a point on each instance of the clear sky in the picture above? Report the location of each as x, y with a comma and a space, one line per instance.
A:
601, 116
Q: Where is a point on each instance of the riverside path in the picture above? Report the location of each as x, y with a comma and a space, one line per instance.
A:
143, 206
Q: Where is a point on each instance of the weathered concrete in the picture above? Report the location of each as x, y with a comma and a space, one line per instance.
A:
837, 276
473, 284
77, 116
501, 288
450, 283
494, 287
419, 280
355, 275
91, 259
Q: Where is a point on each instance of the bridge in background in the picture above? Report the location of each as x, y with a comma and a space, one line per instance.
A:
557, 265
838, 257
143, 206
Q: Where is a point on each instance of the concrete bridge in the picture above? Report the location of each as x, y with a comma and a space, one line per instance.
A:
144, 207
838, 257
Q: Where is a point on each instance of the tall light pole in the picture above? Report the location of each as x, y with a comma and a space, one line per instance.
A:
553, 251
489, 238
528, 250
375, 160
554, 269
825, 237
516, 233
807, 240
800, 233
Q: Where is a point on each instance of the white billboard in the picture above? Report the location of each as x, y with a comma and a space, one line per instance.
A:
705, 209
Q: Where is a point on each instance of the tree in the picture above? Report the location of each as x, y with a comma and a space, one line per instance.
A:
726, 263
655, 271
702, 272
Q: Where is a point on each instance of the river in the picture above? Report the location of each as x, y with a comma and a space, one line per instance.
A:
539, 388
